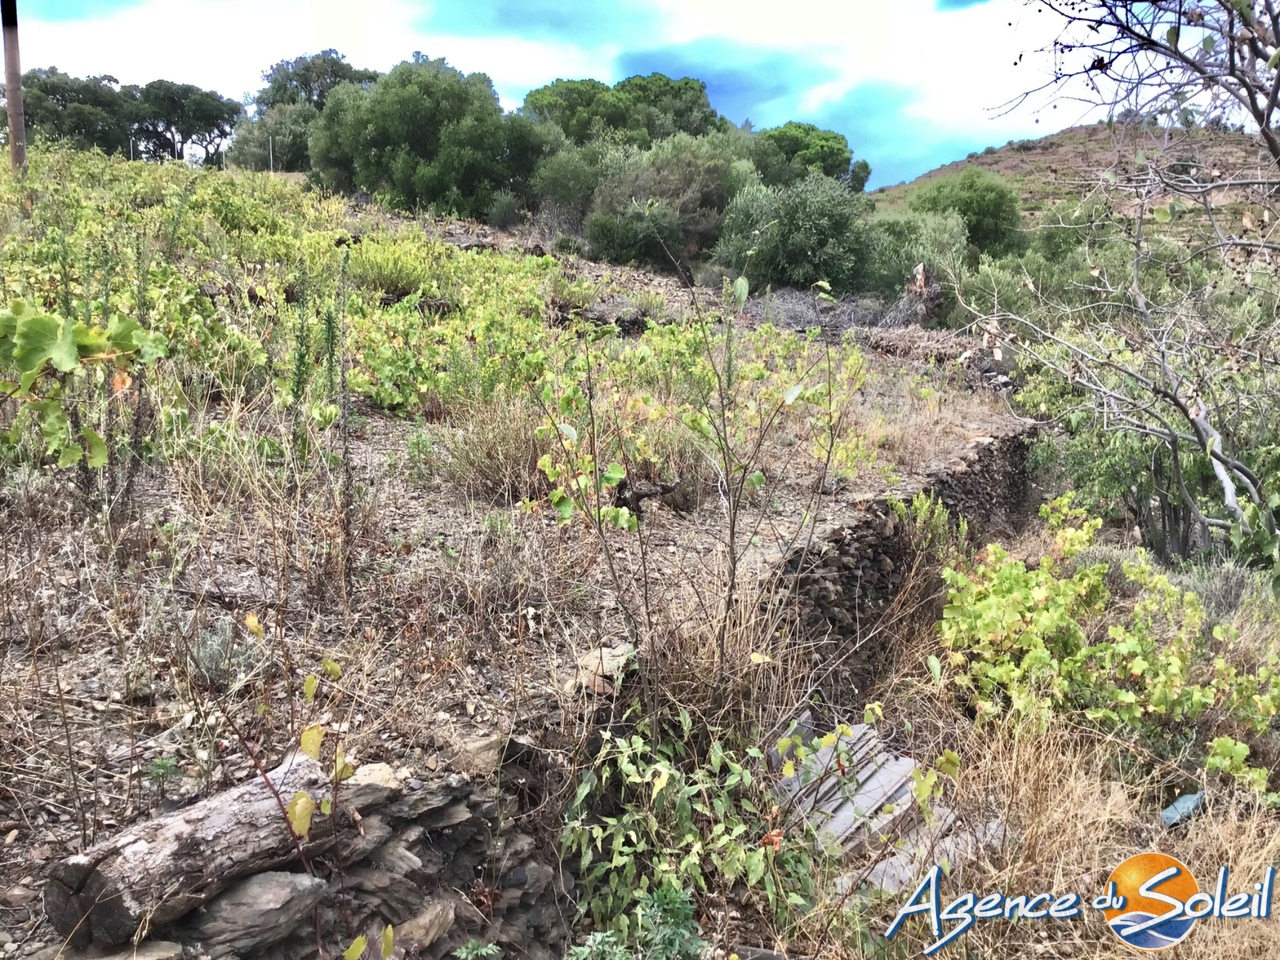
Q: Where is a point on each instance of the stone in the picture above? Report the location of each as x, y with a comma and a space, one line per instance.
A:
599, 666
428, 926
481, 756
255, 913
151, 950
18, 896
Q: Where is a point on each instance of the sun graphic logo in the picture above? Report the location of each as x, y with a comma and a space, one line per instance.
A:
1153, 902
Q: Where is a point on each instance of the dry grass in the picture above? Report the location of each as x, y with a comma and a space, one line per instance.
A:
1075, 803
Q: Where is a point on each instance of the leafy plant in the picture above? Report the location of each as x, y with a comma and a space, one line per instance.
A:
645, 818
1030, 643
476, 950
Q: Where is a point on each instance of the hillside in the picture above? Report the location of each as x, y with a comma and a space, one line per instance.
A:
367, 571
1071, 164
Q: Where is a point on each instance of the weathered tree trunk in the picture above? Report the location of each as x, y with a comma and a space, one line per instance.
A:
160, 870
435, 858
13, 86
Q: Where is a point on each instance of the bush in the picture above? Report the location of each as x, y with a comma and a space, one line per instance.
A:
286, 127
1029, 643
648, 236
741, 173
1067, 225
988, 206
504, 211
689, 175
567, 243
425, 135
899, 243
566, 180
815, 229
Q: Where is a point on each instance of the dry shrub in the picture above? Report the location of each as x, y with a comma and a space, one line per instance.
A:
491, 452
909, 422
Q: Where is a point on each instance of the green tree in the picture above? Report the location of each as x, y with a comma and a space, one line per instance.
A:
85, 113
525, 144
643, 108
570, 104
288, 125
169, 117
424, 134
988, 206
309, 79
663, 107
810, 146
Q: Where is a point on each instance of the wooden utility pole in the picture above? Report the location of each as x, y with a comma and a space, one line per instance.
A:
13, 85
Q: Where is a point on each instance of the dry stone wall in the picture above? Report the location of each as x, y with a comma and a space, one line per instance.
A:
842, 581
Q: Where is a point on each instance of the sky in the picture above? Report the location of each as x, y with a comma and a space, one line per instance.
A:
913, 84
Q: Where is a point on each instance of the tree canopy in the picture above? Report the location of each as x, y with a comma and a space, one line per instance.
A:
85, 113
309, 79
163, 117
169, 117
642, 108
425, 133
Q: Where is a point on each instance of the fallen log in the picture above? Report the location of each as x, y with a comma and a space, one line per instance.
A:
160, 870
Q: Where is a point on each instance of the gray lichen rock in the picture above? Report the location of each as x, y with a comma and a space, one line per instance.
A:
255, 913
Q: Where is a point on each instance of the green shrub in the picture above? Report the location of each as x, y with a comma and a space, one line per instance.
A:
688, 175
567, 179
567, 243
648, 236
813, 230
387, 265
900, 242
987, 204
1029, 643
646, 818
1066, 226
504, 211
741, 174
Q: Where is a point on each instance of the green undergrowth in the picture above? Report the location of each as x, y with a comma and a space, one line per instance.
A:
1118, 644
213, 291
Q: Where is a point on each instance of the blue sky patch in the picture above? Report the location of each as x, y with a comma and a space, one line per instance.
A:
54, 11
578, 23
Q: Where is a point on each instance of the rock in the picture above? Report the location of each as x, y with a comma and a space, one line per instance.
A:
5, 938
1182, 809
482, 756
597, 668
255, 913
151, 950
428, 926
18, 896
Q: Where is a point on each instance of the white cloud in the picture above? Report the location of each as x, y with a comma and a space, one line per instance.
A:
953, 67
957, 65
225, 45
